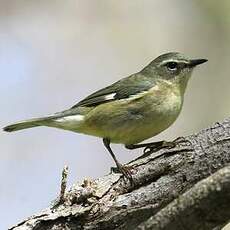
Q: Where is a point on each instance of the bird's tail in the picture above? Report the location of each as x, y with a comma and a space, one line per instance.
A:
26, 124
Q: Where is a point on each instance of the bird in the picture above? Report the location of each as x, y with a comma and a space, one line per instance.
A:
130, 110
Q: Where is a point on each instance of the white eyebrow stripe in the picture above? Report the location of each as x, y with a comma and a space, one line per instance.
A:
172, 60
110, 96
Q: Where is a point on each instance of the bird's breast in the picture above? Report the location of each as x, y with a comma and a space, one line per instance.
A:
161, 108
135, 119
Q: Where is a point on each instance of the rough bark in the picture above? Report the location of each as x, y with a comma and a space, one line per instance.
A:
111, 202
204, 206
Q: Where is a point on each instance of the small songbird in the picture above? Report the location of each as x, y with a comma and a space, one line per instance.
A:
131, 110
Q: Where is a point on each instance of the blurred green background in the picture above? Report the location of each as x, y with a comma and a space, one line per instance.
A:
54, 53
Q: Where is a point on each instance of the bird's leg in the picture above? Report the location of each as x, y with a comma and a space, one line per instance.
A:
152, 147
126, 171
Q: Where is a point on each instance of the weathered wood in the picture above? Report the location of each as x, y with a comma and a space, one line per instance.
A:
111, 202
205, 206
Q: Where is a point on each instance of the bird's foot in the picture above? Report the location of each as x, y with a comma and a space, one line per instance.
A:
154, 148
127, 171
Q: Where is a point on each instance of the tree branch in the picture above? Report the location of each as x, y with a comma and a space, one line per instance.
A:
203, 207
111, 202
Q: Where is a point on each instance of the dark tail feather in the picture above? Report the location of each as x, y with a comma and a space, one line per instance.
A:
19, 126
26, 124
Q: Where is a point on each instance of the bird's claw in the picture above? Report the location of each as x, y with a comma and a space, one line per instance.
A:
154, 148
126, 171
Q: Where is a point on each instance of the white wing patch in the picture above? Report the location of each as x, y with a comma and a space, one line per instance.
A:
110, 96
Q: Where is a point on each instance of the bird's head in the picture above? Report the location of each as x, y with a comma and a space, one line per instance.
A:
173, 67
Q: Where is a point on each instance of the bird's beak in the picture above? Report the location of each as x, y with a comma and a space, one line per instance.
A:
195, 62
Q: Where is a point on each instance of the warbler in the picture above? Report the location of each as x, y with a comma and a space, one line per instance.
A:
131, 110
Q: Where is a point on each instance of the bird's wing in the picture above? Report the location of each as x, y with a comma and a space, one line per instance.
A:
122, 89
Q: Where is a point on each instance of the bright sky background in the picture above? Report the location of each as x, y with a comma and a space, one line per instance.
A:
53, 53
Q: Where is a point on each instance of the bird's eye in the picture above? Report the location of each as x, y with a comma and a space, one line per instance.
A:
172, 65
